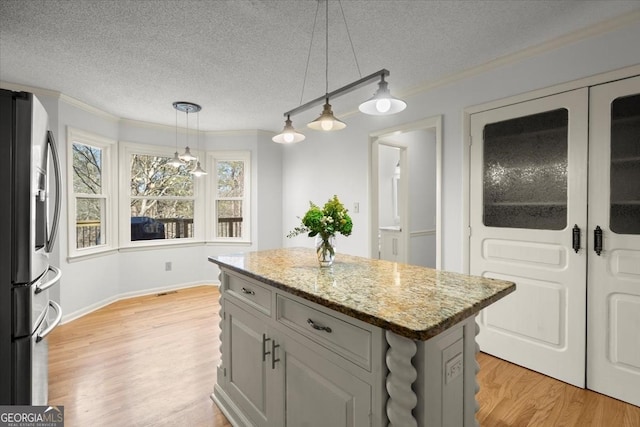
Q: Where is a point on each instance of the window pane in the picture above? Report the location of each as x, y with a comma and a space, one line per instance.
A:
89, 222
230, 178
625, 165
161, 219
153, 176
229, 221
525, 172
87, 169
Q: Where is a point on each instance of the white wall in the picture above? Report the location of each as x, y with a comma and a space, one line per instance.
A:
347, 151
89, 283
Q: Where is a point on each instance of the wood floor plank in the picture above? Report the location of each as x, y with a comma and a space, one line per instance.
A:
151, 362
145, 361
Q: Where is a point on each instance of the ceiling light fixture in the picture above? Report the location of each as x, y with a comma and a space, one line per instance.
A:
198, 171
176, 162
288, 135
186, 107
382, 102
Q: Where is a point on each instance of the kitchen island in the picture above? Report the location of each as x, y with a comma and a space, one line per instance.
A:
362, 343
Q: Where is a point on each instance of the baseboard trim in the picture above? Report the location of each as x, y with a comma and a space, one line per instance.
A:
126, 295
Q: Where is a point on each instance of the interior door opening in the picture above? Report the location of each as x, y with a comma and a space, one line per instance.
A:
405, 193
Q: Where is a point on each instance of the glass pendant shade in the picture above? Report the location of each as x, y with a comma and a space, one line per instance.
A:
187, 156
327, 122
382, 103
176, 162
288, 135
198, 171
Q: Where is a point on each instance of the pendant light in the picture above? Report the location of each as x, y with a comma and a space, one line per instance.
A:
198, 171
288, 135
176, 162
186, 107
382, 103
327, 121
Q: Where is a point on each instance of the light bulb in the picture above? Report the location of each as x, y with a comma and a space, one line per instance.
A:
383, 105
288, 137
326, 124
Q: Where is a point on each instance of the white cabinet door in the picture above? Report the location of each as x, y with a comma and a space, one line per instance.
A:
248, 382
317, 392
528, 188
613, 356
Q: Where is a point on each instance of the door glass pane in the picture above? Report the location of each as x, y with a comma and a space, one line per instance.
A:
525, 172
625, 165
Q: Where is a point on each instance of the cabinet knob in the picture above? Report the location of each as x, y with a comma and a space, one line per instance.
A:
247, 291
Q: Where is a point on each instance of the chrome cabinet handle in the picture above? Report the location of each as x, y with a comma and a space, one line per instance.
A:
51, 282
597, 240
318, 327
264, 347
273, 354
576, 238
247, 291
55, 323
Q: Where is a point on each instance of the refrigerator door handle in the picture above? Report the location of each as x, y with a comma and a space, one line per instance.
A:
58, 186
51, 282
55, 323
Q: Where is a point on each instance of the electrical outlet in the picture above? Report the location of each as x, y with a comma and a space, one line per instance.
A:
356, 207
453, 368
167, 266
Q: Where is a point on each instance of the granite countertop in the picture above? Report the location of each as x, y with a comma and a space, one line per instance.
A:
415, 302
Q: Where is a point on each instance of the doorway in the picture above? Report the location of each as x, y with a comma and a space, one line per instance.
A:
406, 193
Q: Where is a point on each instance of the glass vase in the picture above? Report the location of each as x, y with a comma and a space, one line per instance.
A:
326, 250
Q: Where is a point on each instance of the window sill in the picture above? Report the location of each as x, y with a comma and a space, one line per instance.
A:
79, 256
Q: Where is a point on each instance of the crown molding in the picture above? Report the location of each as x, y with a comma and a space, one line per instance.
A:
38, 91
573, 37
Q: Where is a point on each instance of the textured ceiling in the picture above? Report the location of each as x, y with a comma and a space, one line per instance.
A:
244, 60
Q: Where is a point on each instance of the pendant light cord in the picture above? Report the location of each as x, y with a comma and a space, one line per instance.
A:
306, 70
326, 49
350, 41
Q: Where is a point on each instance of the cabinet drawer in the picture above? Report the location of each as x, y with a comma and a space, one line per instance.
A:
250, 292
346, 339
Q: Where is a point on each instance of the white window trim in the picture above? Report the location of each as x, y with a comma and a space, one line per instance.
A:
126, 150
109, 149
212, 158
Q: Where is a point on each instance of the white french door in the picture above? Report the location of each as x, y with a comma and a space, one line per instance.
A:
613, 352
528, 189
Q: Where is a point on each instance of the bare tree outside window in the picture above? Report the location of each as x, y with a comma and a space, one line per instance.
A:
230, 197
89, 200
162, 199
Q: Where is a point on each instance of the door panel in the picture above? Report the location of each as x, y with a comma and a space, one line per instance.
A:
528, 187
319, 393
248, 385
613, 356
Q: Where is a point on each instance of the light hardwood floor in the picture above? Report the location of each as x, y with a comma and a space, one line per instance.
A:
150, 362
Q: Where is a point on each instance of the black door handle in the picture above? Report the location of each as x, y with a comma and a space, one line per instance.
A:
597, 240
576, 238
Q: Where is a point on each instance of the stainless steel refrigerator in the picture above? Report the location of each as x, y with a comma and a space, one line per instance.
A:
30, 192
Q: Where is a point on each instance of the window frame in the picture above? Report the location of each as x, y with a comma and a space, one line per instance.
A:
109, 149
127, 149
212, 159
